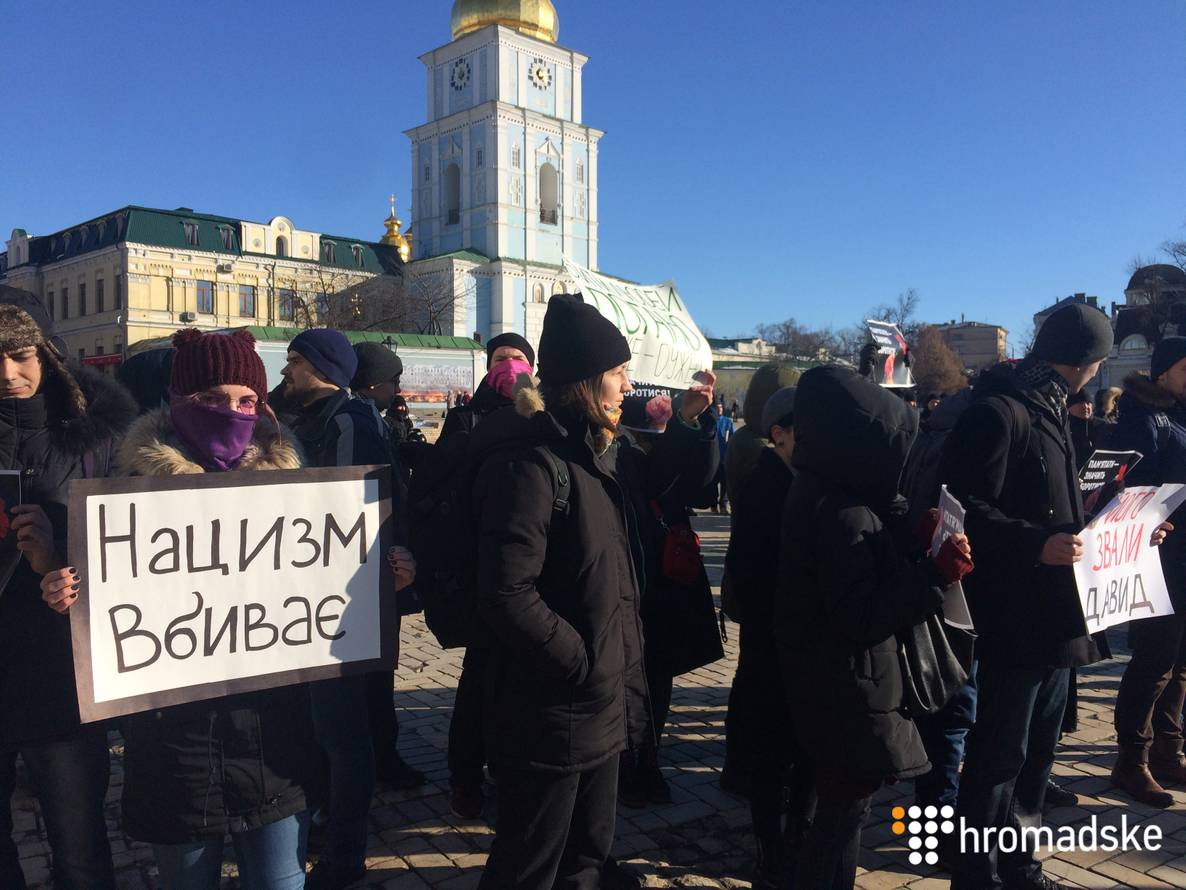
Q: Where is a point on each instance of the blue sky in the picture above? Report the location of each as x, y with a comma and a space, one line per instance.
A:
777, 159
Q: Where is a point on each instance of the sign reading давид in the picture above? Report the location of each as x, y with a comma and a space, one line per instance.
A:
666, 344
196, 587
1120, 577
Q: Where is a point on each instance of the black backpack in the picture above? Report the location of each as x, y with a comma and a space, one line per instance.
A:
443, 533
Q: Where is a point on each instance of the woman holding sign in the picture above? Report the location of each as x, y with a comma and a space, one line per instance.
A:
194, 773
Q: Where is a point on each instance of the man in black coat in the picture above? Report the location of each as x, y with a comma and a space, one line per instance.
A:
56, 424
1149, 704
504, 347
1011, 463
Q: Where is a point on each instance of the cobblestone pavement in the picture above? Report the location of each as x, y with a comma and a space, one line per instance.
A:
700, 840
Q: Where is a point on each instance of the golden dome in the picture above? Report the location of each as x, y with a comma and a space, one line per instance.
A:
535, 18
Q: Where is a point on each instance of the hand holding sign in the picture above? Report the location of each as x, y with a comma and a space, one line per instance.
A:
1061, 549
59, 590
403, 567
1160, 533
34, 537
954, 559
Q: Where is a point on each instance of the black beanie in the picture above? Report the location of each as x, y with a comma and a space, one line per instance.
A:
578, 342
376, 364
1166, 354
1075, 335
513, 340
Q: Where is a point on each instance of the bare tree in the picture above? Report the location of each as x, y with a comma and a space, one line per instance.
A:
935, 365
435, 298
792, 338
901, 313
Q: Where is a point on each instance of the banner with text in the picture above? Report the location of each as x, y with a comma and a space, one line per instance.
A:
666, 343
197, 587
1120, 577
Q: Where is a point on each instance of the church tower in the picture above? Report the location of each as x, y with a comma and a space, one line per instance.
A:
504, 174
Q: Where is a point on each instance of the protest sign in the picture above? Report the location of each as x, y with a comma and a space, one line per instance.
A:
202, 586
666, 344
890, 368
951, 522
10, 496
1120, 577
1102, 473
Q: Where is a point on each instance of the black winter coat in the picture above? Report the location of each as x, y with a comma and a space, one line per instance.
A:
679, 621
197, 771
1018, 490
46, 438
558, 595
752, 558
845, 586
1163, 460
465, 417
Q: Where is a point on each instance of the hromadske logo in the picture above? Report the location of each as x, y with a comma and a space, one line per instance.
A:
924, 828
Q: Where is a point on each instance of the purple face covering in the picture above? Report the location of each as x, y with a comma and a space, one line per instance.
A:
216, 436
503, 375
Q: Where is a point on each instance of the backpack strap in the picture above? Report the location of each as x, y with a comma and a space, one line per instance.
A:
561, 481
1162, 421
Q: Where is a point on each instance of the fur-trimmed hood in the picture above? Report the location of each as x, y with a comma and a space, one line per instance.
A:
1138, 386
153, 448
104, 412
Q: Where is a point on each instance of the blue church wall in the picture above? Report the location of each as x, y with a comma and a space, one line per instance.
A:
543, 101
479, 233
438, 91
483, 80
566, 80
450, 240
479, 312
548, 246
519, 289
513, 79
516, 247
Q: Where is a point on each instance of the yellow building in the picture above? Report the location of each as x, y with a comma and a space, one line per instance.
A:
139, 273
978, 345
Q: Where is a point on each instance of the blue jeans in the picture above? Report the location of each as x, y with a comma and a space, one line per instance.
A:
271, 857
944, 735
342, 728
1010, 753
70, 776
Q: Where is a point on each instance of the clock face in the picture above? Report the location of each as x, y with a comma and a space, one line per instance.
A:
540, 74
460, 74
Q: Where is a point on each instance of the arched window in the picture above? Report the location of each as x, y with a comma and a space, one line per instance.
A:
1134, 343
549, 194
537, 293
281, 246
557, 288
452, 195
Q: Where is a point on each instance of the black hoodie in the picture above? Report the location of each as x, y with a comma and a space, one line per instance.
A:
845, 585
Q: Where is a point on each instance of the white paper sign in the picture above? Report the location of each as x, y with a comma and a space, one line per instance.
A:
193, 593
951, 522
666, 344
1120, 577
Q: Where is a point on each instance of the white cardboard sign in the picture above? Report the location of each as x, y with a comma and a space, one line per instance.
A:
1120, 577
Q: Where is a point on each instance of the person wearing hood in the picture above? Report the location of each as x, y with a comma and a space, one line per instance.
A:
507, 356
851, 575
1149, 705
558, 601
58, 423
766, 748
1011, 463
195, 772
146, 376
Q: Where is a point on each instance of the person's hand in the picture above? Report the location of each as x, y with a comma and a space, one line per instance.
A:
35, 537
954, 559
1160, 533
403, 566
699, 396
59, 590
1062, 549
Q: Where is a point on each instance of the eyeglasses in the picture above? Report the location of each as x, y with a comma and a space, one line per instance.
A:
245, 405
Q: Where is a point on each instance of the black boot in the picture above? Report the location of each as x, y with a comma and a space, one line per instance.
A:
1167, 763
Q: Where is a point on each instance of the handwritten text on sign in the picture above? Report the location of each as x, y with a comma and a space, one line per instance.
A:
216, 585
1120, 577
666, 344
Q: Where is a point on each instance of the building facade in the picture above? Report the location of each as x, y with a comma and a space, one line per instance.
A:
978, 345
138, 273
505, 172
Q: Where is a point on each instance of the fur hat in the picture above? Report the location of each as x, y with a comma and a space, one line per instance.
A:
19, 330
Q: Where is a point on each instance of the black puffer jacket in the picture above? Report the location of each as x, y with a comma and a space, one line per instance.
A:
679, 620
46, 437
1164, 460
197, 771
465, 417
752, 559
846, 588
1011, 463
558, 595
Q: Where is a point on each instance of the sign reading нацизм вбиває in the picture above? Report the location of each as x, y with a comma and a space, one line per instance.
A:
200, 586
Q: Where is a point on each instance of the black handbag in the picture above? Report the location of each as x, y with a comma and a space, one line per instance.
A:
936, 659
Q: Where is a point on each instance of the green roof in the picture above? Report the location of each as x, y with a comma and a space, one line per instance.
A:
166, 228
471, 255
279, 334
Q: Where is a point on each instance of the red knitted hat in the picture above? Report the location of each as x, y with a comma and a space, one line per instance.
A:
206, 360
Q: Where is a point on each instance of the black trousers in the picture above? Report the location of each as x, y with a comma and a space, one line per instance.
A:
467, 747
553, 830
828, 860
1153, 689
380, 698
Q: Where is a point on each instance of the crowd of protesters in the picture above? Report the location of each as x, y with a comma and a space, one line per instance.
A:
582, 595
